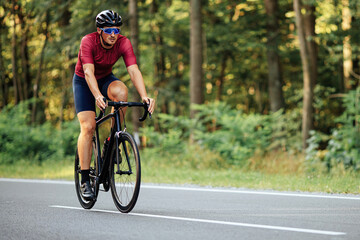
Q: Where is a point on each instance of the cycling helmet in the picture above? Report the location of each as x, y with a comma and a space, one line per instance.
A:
108, 18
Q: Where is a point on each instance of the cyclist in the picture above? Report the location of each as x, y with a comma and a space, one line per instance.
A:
93, 79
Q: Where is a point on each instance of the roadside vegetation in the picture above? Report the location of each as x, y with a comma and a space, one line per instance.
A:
281, 173
221, 147
274, 102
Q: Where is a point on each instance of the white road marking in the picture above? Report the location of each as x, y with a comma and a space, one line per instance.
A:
202, 189
269, 227
217, 190
37, 181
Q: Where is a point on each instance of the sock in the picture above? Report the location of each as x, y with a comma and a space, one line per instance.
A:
85, 176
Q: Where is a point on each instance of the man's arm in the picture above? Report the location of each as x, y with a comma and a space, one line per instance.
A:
138, 81
89, 71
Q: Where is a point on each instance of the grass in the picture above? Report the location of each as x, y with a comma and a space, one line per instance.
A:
277, 171
46, 170
240, 178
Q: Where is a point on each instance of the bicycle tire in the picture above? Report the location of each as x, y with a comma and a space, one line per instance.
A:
86, 204
125, 187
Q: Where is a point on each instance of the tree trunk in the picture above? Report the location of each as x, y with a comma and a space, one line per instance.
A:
25, 62
307, 119
196, 55
134, 26
159, 60
134, 36
309, 24
24, 53
14, 57
347, 52
275, 77
3, 92
3, 85
38, 75
69, 68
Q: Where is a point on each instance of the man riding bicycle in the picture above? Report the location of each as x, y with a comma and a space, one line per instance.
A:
93, 79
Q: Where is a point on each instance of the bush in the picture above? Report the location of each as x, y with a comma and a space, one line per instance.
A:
238, 136
235, 136
343, 144
229, 133
170, 142
21, 141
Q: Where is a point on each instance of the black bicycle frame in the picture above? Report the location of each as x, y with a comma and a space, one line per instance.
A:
106, 158
114, 137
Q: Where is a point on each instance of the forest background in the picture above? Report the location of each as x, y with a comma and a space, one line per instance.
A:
261, 86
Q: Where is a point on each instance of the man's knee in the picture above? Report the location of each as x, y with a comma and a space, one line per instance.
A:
87, 122
118, 91
88, 127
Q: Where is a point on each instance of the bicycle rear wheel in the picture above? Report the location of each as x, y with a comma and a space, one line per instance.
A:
125, 181
87, 204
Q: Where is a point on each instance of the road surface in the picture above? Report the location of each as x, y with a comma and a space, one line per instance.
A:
37, 209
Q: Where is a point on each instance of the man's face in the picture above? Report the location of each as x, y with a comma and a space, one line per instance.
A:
108, 38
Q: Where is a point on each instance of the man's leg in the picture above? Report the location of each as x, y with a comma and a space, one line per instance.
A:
87, 125
117, 91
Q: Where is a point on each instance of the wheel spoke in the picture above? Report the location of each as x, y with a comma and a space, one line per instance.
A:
125, 187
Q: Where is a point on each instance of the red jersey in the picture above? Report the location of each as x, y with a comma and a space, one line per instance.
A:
103, 59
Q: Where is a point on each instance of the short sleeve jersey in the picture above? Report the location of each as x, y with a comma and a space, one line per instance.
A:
103, 59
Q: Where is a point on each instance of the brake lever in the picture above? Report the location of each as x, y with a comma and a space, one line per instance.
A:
147, 109
146, 113
105, 102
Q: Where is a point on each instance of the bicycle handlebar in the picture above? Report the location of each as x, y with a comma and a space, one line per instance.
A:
128, 104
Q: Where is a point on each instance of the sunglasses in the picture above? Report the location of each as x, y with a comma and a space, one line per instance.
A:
111, 30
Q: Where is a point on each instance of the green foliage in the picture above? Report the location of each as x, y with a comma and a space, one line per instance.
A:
232, 134
65, 139
165, 143
18, 140
343, 144
326, 108
235, 72
286, 130
238, 136
229, 133
21, 141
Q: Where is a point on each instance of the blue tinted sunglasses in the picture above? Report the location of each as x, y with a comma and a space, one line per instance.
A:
111, 30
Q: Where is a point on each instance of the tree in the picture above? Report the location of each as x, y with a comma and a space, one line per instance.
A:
309, 24
275, 77
16, 82
24, 16
308, 70
37, 83
134, 36
347, 53
3, 77
67, 71
196, 55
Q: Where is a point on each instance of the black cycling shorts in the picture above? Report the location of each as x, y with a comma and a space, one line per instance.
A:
83, 98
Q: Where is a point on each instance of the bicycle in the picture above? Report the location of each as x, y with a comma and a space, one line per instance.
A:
118, 167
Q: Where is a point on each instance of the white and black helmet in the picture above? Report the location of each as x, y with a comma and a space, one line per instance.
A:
108, 18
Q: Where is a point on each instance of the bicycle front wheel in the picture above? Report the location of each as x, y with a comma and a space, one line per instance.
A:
125, 176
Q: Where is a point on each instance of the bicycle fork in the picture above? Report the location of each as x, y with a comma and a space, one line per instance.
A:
118, 142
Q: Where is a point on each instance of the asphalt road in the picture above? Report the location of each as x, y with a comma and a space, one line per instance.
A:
32, 209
